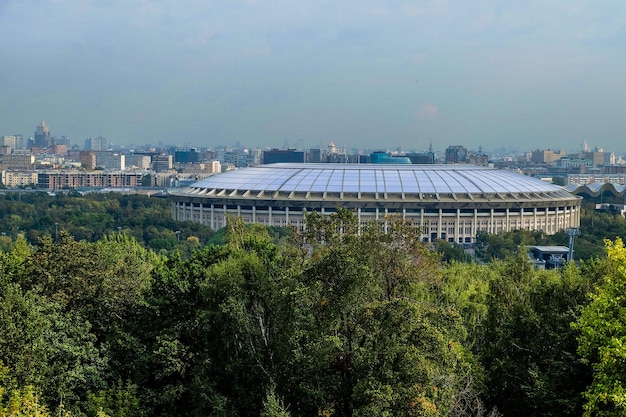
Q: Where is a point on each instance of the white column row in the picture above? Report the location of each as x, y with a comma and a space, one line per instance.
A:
455, 225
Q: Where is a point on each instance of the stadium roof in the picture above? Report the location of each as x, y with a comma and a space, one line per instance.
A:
595, 189
375, 178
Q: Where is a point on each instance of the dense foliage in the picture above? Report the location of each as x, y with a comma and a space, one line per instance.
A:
90, 217
341, 320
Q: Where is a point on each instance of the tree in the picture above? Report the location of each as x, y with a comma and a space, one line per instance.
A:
23, 403
118, 401
211, 338
451, 251
527, 346
602, 341
374, 340
466, 289
47, 349
273, 406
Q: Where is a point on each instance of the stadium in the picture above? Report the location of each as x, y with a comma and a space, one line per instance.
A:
452, 202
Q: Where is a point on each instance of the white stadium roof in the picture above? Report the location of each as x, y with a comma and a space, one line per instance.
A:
376, 178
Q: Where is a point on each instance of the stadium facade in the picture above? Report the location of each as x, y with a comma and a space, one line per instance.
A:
452, 202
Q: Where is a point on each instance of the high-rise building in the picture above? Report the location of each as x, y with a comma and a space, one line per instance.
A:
61, 140
255, 156
456, 154
10, 141
95, 144
314, 155
161, 163
42, 135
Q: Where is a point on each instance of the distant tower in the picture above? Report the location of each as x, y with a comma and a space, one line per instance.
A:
95, 144
585, 146
42, 135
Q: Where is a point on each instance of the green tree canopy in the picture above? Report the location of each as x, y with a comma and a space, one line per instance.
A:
602, 341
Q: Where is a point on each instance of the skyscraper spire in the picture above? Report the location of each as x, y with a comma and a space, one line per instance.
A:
42, 135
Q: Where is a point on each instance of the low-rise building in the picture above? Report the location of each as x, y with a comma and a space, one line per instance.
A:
70, 179
14, 179
18, 161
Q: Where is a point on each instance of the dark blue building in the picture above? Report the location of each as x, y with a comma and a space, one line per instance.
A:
275, 156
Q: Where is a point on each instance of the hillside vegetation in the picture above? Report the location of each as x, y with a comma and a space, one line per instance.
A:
337, 321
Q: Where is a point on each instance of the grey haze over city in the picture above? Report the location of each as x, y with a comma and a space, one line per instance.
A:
366, 74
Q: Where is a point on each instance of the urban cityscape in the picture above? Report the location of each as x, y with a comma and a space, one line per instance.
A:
286, 208
49, 162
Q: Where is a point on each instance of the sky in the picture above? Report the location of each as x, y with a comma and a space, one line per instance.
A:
535, 74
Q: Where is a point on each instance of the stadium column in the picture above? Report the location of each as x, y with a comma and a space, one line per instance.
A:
253, 214
212, 224
440, 224
492, 226
566, 217
457, 227
475, 225
535, 218
269, 216
508, 224
556, 217
287, 216
223, 215
548, 228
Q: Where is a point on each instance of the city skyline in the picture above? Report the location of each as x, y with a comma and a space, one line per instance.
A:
88, 144
529, 76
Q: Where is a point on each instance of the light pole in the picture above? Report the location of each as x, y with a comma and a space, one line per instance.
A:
572, 233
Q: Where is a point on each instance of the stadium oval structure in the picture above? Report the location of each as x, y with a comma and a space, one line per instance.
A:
451, 202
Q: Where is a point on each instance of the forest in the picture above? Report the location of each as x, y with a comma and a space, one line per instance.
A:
340, 320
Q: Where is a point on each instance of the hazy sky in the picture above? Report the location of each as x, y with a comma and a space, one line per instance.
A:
372, 74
